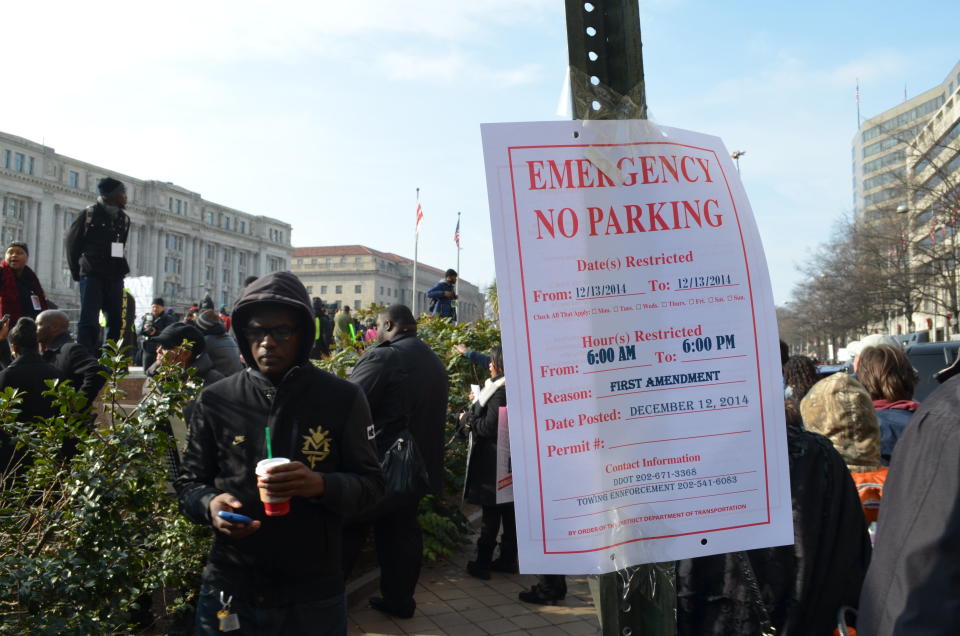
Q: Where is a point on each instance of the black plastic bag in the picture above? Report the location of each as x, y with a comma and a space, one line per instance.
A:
403, 469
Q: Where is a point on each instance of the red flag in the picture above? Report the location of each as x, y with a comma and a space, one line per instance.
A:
419, 216
456, 234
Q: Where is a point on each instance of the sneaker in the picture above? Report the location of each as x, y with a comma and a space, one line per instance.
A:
479, 570
384, 606
540, 596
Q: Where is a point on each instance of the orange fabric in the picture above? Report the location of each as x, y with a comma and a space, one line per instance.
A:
870, 488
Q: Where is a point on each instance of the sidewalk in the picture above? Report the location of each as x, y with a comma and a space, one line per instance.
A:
449, 601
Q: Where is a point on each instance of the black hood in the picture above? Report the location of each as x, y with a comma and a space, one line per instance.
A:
278, 288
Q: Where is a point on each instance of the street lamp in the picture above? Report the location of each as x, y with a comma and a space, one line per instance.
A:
735, 155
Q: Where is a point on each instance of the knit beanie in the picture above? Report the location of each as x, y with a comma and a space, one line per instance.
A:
108, 186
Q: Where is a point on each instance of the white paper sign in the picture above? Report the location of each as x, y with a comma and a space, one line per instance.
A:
640, 346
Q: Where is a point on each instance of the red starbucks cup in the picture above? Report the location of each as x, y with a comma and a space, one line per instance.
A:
273, 506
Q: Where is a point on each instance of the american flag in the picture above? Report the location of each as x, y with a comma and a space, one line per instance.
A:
419, 216
456, 234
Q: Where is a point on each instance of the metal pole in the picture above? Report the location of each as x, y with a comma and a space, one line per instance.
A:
416, 243
457, 288
607, 82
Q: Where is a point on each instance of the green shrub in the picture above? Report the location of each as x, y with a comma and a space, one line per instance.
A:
83, 538
444, 525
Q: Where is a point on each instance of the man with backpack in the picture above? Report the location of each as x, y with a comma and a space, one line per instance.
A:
96, 245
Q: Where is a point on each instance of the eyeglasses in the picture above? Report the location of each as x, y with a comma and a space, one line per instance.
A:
281, 333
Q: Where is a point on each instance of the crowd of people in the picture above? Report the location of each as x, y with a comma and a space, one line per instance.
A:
874, 475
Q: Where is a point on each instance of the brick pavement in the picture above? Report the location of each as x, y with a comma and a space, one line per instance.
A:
449, 601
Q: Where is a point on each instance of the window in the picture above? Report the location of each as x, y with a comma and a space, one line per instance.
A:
225, 222
210, 217
310, 291
381, 290
211, 253
30, 165
6, 159
356, 304
242, 258
356, 260
172, 265
170, 203
223, 298
243, 227
358, 289
338, 289
209, 277
169, 289
174, 242
18, 161
14, 208
73, 179
179, 203
226, 276
323, 289
226, 257
241, 275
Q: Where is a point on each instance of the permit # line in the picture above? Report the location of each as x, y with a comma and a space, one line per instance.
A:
676, 439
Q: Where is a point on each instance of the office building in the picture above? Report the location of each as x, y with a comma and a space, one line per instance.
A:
359, 276
186, 243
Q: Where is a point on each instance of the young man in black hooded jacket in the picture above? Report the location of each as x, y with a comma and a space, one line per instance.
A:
282, 574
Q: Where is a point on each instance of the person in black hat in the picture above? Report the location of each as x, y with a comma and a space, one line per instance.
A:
96, 244
153, 324
221, 347
171, 349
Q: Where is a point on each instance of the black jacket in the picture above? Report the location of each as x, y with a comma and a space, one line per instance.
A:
314, 417
154, 328
89, 239
802, 585
77, 365
484, 420
406, 386
222, 350
913, 585
29, 374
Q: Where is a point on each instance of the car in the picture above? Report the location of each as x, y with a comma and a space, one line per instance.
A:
927, 359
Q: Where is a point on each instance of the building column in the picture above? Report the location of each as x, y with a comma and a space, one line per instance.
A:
59, 248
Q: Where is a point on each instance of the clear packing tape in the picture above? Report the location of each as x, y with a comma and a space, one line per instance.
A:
613, 105
638, 600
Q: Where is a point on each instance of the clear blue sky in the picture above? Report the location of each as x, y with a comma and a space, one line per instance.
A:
329, 116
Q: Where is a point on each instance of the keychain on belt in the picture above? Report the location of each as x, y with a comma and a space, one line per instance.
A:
228, 621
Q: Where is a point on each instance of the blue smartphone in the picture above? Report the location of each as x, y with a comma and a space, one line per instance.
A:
233, 517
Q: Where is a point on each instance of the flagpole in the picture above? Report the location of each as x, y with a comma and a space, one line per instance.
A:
416, 243
457, 289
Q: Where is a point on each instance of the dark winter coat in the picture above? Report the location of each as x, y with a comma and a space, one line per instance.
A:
315, 418
15, 293
802, 585
484, 419
75, 363
29, 374
222, 349
441, 304
893, 418
154, 328
407, 386
913, 586
89, 239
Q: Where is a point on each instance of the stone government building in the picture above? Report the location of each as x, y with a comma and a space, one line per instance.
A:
358, 276
186, 243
